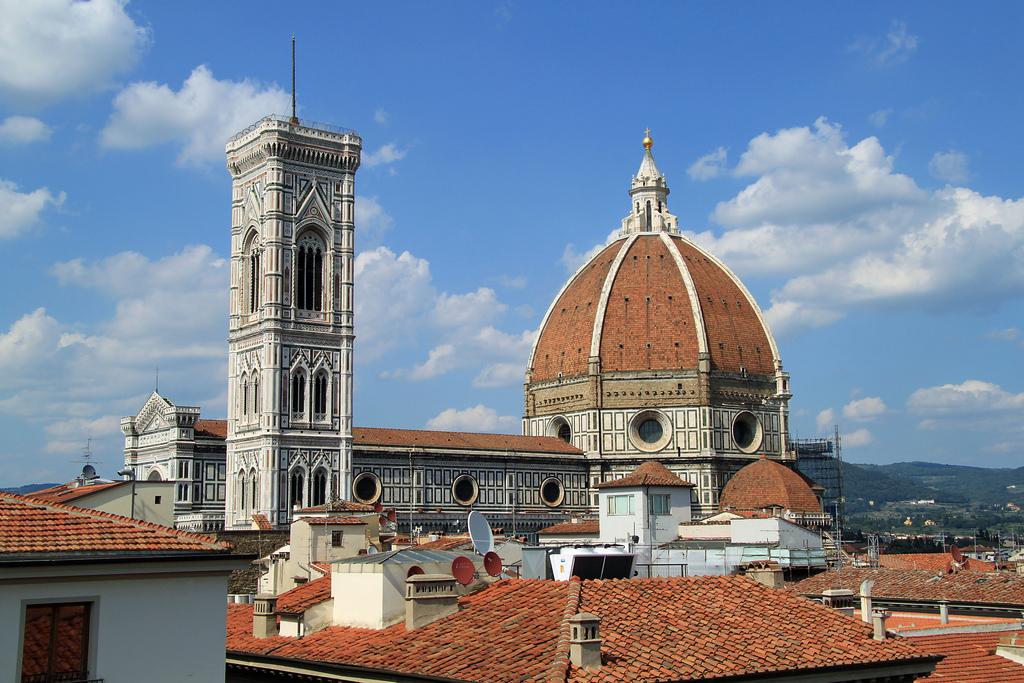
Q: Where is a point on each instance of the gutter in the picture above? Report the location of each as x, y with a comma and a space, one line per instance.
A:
289, 667
118, 558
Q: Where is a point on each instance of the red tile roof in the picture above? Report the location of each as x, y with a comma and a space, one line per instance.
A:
334, 521
36, 528
212, 428
970, 658
766, 483
261, 521
63, 493
922, 585
445, 543
650, 473
652, 629
299, 599
421, 438
932, 561
582, 526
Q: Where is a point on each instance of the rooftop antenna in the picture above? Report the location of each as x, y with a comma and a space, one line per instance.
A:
156, 383
295, 119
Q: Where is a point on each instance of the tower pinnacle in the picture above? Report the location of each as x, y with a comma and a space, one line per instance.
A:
649, 192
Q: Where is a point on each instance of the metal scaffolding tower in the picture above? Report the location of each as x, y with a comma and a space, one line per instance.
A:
821, 459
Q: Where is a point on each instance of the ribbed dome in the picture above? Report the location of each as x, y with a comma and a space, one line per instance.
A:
765, 484
652, 301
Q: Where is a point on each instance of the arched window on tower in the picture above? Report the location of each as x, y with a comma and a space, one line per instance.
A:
648, 223
320, 396
256, 397
245, 395
241, 490
319, 487
254, 493
252, 274
309, 273
298, 393
297, 489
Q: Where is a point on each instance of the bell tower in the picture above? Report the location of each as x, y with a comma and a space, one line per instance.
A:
290, 333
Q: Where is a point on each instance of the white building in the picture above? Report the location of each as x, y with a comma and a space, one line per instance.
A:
88, 596
644, 508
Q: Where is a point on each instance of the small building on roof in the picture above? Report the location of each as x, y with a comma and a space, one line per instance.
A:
645, 507
149, 501
81, 592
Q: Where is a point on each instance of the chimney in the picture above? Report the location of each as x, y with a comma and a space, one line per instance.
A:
943, 612
263, 623
865, 600
878, 618
429, 597
839, 599
585, 640
766, 573
1012, 647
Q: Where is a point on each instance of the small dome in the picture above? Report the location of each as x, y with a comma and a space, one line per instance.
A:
766, 484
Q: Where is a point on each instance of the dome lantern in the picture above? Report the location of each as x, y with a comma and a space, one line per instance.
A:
649, 195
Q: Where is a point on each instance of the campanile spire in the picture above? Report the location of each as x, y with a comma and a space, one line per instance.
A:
649, 195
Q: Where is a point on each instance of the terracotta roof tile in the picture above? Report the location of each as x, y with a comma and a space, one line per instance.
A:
261, 521
932, 561
650, 473
338, 506
653, 629
375, 436
970, 658
36, 528
766, 483
211, 428
446, 543
299, 599
64, 493
582, 526
334, 521
923, 585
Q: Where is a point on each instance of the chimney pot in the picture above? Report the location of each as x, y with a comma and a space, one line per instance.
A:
865, 600
429, 597
264, 624
839, 599
585, 640
878, 618
943, 612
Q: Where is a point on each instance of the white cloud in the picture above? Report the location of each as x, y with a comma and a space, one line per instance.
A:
897, 46
970, 397
951, 166
372, 221
384, 155
851, 233
857, 438
440, 360
865, 409
512, 282
22, 130
51, 49
199, 117
1006, 334
472, 310
478, 418
826, 419
32, 336
711, 165
500, 375
392, 293
381, 116
572, 259
22, 210
879, 118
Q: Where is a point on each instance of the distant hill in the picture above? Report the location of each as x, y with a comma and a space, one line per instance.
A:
27, 488
922, 480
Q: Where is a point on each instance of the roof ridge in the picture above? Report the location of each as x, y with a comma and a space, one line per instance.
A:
558, 670
127, 521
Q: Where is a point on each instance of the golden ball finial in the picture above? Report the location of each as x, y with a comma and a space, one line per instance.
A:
648, 142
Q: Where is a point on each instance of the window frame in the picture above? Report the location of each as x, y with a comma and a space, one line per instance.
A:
665, 498
55, 640
613, 507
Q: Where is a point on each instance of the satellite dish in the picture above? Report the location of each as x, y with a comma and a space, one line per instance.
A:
463, 570
392, 515
378, 507
371, 550
480, 533
958, 556
492, 563
89, 472
382, 520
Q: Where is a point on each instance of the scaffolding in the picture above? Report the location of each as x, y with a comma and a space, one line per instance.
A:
821, 459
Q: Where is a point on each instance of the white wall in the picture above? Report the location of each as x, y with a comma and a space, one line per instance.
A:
773, 530
619, 528
118, 500
153, 628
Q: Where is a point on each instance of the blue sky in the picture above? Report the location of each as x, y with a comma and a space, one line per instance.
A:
858, 166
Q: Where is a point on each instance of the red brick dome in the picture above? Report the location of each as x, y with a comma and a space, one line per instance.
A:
652, 301
766, 484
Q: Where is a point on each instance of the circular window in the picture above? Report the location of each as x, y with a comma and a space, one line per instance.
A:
650, 430
465, 489
552, 492
366, 488
747, 432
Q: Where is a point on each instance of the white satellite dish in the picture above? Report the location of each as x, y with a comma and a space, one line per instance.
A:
372, 550
480, 533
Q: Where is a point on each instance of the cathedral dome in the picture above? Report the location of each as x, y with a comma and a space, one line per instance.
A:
653, 301
765, 484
